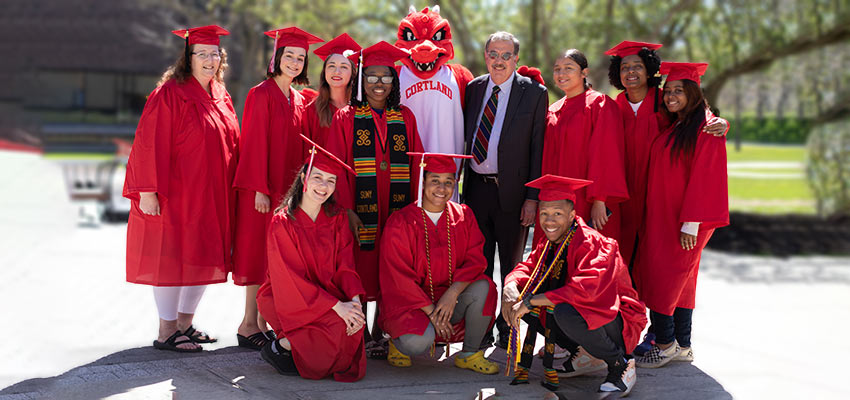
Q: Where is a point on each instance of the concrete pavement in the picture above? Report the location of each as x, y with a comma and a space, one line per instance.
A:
72, 328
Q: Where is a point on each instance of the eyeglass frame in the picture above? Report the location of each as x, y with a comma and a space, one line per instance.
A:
506, 56
205, 56
375, 78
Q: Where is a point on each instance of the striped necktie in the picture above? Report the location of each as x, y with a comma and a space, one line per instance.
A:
482, 136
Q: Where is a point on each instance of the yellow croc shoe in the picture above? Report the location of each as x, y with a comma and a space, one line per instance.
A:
397, 358
477, 363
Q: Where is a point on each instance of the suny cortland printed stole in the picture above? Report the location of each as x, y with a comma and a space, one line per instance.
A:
366, 166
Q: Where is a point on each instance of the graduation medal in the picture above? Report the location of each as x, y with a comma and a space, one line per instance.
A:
383, 166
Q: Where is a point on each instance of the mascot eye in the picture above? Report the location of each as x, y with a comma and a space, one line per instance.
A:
408, 35
440, 35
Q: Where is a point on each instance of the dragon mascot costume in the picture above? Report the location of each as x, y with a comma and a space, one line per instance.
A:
430, 87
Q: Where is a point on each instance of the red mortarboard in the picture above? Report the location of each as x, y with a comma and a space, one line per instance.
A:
381, 53
628, 48
438, 163
324, 160
202, 35
342, 44
679, 70
291, 37
554, 187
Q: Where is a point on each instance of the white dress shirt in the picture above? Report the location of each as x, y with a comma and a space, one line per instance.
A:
491, 163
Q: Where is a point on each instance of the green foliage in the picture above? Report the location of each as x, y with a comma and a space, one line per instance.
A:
828, 167
770, 130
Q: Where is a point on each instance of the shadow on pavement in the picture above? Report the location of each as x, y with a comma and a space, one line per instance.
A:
235, 373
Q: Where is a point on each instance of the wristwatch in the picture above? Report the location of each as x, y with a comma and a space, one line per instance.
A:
527, 302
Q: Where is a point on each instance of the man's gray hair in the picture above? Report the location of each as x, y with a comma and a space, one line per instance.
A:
502, 36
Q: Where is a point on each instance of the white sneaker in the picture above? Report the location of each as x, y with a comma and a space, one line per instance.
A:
560, 352
656, 357
580, 363
621, 378
686, 354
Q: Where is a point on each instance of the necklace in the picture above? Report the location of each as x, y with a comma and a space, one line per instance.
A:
428, 249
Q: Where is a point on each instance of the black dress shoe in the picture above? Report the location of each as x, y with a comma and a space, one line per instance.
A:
282, 361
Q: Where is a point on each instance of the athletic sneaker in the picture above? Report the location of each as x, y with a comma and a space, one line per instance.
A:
686, 354
580, 363
621, 378
643, 347
560, 352
656, 357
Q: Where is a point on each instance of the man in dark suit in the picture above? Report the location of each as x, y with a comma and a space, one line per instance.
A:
504, 122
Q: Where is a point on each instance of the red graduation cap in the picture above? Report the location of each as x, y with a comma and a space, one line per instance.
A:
438, 163
679, 70
342, 44
324, 160
554, 187
202, 35
291, 37
381, 53
628, 48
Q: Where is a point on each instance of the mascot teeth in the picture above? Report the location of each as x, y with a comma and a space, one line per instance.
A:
425, 67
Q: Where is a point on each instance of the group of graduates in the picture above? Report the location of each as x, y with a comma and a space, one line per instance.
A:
324, 201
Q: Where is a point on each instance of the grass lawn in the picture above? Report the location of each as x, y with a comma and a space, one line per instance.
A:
769, 195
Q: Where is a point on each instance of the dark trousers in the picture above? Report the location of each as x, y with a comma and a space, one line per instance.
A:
498, 226
605, 343
669, 327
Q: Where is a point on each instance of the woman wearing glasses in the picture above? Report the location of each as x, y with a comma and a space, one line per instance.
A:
179, 179
584, 140
373, 135
271, 152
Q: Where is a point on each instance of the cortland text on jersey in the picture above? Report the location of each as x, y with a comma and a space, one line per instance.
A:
428, 85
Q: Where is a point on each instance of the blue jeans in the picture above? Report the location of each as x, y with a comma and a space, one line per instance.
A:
669, 327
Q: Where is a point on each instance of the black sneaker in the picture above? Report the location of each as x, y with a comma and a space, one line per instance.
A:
282, 361
621, 377
504, 338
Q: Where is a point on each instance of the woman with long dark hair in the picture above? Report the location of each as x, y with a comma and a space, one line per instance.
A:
271, 153
686, 200
312, 295
584, 140
335, 85
179, 178
373, 135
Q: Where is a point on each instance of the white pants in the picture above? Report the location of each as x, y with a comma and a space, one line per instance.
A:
173, 299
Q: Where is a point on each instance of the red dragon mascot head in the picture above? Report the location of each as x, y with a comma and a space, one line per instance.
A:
428, 37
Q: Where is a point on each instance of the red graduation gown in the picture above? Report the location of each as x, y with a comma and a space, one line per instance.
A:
640, 130
271, 153
185, 150
311, 127
311, 268
678, 191
340, 143
584, 140
598, 283
404, 267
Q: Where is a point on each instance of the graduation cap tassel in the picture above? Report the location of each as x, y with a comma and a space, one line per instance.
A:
186, 54
274, 53
309, 166
421, 180
360, 78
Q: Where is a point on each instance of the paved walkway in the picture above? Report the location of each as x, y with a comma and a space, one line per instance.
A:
72, 328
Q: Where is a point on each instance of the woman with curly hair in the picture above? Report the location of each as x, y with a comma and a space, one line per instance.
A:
179, 179
271, 153
334, 86
373, 136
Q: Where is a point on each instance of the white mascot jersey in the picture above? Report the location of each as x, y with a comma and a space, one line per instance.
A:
436, 104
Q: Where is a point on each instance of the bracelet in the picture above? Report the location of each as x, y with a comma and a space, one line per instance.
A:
527, 303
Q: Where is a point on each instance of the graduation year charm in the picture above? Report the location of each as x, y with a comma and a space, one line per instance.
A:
384, 165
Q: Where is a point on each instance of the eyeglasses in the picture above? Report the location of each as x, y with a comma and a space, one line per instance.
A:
493, 54
204, 56
374, 79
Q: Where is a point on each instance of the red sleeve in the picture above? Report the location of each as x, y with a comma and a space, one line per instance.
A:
149, 165
310, 123
339, 145
606, 154
400, 282
416, 144
252, 172
592, 285
463, 77
346, 277
707, 194
471, 268
297, 300
522, 272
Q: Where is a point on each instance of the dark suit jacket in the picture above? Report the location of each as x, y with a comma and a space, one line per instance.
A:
521, 141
